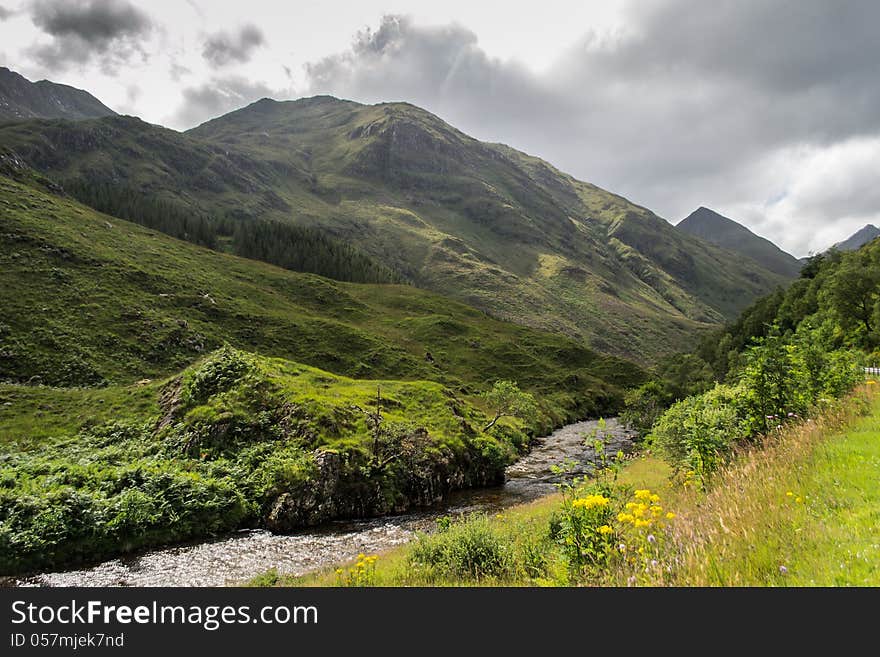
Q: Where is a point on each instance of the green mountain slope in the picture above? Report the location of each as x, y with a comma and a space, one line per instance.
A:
481, 223
88, 299
728, 234
22, 99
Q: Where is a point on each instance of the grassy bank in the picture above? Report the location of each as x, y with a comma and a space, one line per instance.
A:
237, 440
807, 515
799, 509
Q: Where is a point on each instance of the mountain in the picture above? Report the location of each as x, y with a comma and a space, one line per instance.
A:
92, 300
22, 99
728, 234
480, 223
859, 238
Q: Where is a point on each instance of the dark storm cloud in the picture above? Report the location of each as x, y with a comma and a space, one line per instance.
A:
222, 48
695, 103
217, 97
83, 29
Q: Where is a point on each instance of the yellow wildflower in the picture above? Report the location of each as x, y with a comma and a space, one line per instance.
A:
643, 494
625, 517
605, 529
642, 523
799, 500
789, 494
656, 510
670, 515
590, 502
655, 498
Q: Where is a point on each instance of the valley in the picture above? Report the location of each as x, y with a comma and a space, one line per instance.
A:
310, 312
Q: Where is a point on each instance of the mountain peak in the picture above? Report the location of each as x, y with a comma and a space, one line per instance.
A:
21, 99
722, 231
863, 235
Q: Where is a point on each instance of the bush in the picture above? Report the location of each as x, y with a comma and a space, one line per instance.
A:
842, 373
583, 529
782, 380
469, 549
777, 382
697, 433
644, 406
217, 373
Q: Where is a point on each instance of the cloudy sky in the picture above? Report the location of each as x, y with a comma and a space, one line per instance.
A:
767, 111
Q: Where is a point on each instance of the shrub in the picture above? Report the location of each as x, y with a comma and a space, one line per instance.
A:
583, 529
842, 373
643, 406
697, 433
217, 373
777, 382
469, 549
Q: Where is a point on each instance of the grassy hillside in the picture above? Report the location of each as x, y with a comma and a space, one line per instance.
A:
236, 440
88, 299
481, 223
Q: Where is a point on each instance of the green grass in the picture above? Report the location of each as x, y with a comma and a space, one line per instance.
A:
842, 512
808, 515
33, 416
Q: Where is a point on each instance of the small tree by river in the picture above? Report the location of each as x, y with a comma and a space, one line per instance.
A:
505, 399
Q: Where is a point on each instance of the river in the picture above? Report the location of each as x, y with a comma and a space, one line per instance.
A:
238, 557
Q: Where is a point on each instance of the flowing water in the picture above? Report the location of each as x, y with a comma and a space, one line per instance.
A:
240, 556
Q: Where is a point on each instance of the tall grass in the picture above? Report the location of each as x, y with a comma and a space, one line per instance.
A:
799, 508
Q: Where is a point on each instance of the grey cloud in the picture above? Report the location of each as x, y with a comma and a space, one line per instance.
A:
217, 97
690, 106
5, 13
442, 68
784, 45
96, 21
177, 71
223, 48
83, 29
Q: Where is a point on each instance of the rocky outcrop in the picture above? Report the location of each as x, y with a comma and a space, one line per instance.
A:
342, 488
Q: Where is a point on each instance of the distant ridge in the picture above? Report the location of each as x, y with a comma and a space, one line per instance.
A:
728, 234
859, 238
21, 99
